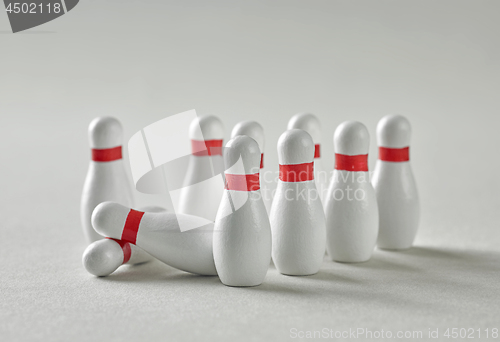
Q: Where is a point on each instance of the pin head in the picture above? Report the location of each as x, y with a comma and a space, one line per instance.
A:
251, 128
242, 155
105, 132
309, 123
102, 257
393, 131
351, 138
108, 219
211, 128
295, 146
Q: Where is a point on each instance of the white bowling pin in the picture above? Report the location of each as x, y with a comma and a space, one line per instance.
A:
200, 198
297, 216
242, 233
255, 131
103, 257
310, 123
394, 184
159, 234
351, 205
106, 177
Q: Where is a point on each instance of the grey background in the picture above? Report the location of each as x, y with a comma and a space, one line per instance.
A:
437, 62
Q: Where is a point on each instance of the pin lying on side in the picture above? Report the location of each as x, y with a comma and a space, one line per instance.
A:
297, 216
351, 206
106, 177
395, 185
103, 257
160, 235
242, 235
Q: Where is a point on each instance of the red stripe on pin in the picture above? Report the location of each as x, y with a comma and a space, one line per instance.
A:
107, 154
242, 182
394, 154
316, 151
351, 163
202, 148
127, 250
131, 228
262, 160
297, 172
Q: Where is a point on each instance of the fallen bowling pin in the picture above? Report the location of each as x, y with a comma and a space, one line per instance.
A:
351, 205
394, 184
242, 233
103, 257
106, 177
160, 235
297, 216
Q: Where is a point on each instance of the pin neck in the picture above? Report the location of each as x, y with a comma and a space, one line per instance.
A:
106, 154
317, 153
127, 250
297, 172
131, 227
202, 148
249, 182
351, 163
397, 155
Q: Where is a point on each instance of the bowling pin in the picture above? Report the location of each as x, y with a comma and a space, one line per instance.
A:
297, 216
103, 257
106, 177
242, 233
351, 204
198, 198
159, 234
255, 131
310, 123
395, 185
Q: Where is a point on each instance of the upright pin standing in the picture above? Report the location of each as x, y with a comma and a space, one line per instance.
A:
106, 177
255, 131
103, 257
199, 198
242, 233
310, 123
297, 216
395, 185
351, 210
159, 234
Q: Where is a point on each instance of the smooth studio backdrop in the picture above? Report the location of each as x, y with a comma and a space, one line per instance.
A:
436, 62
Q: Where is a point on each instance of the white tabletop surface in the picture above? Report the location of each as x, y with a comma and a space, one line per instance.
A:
438, 63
